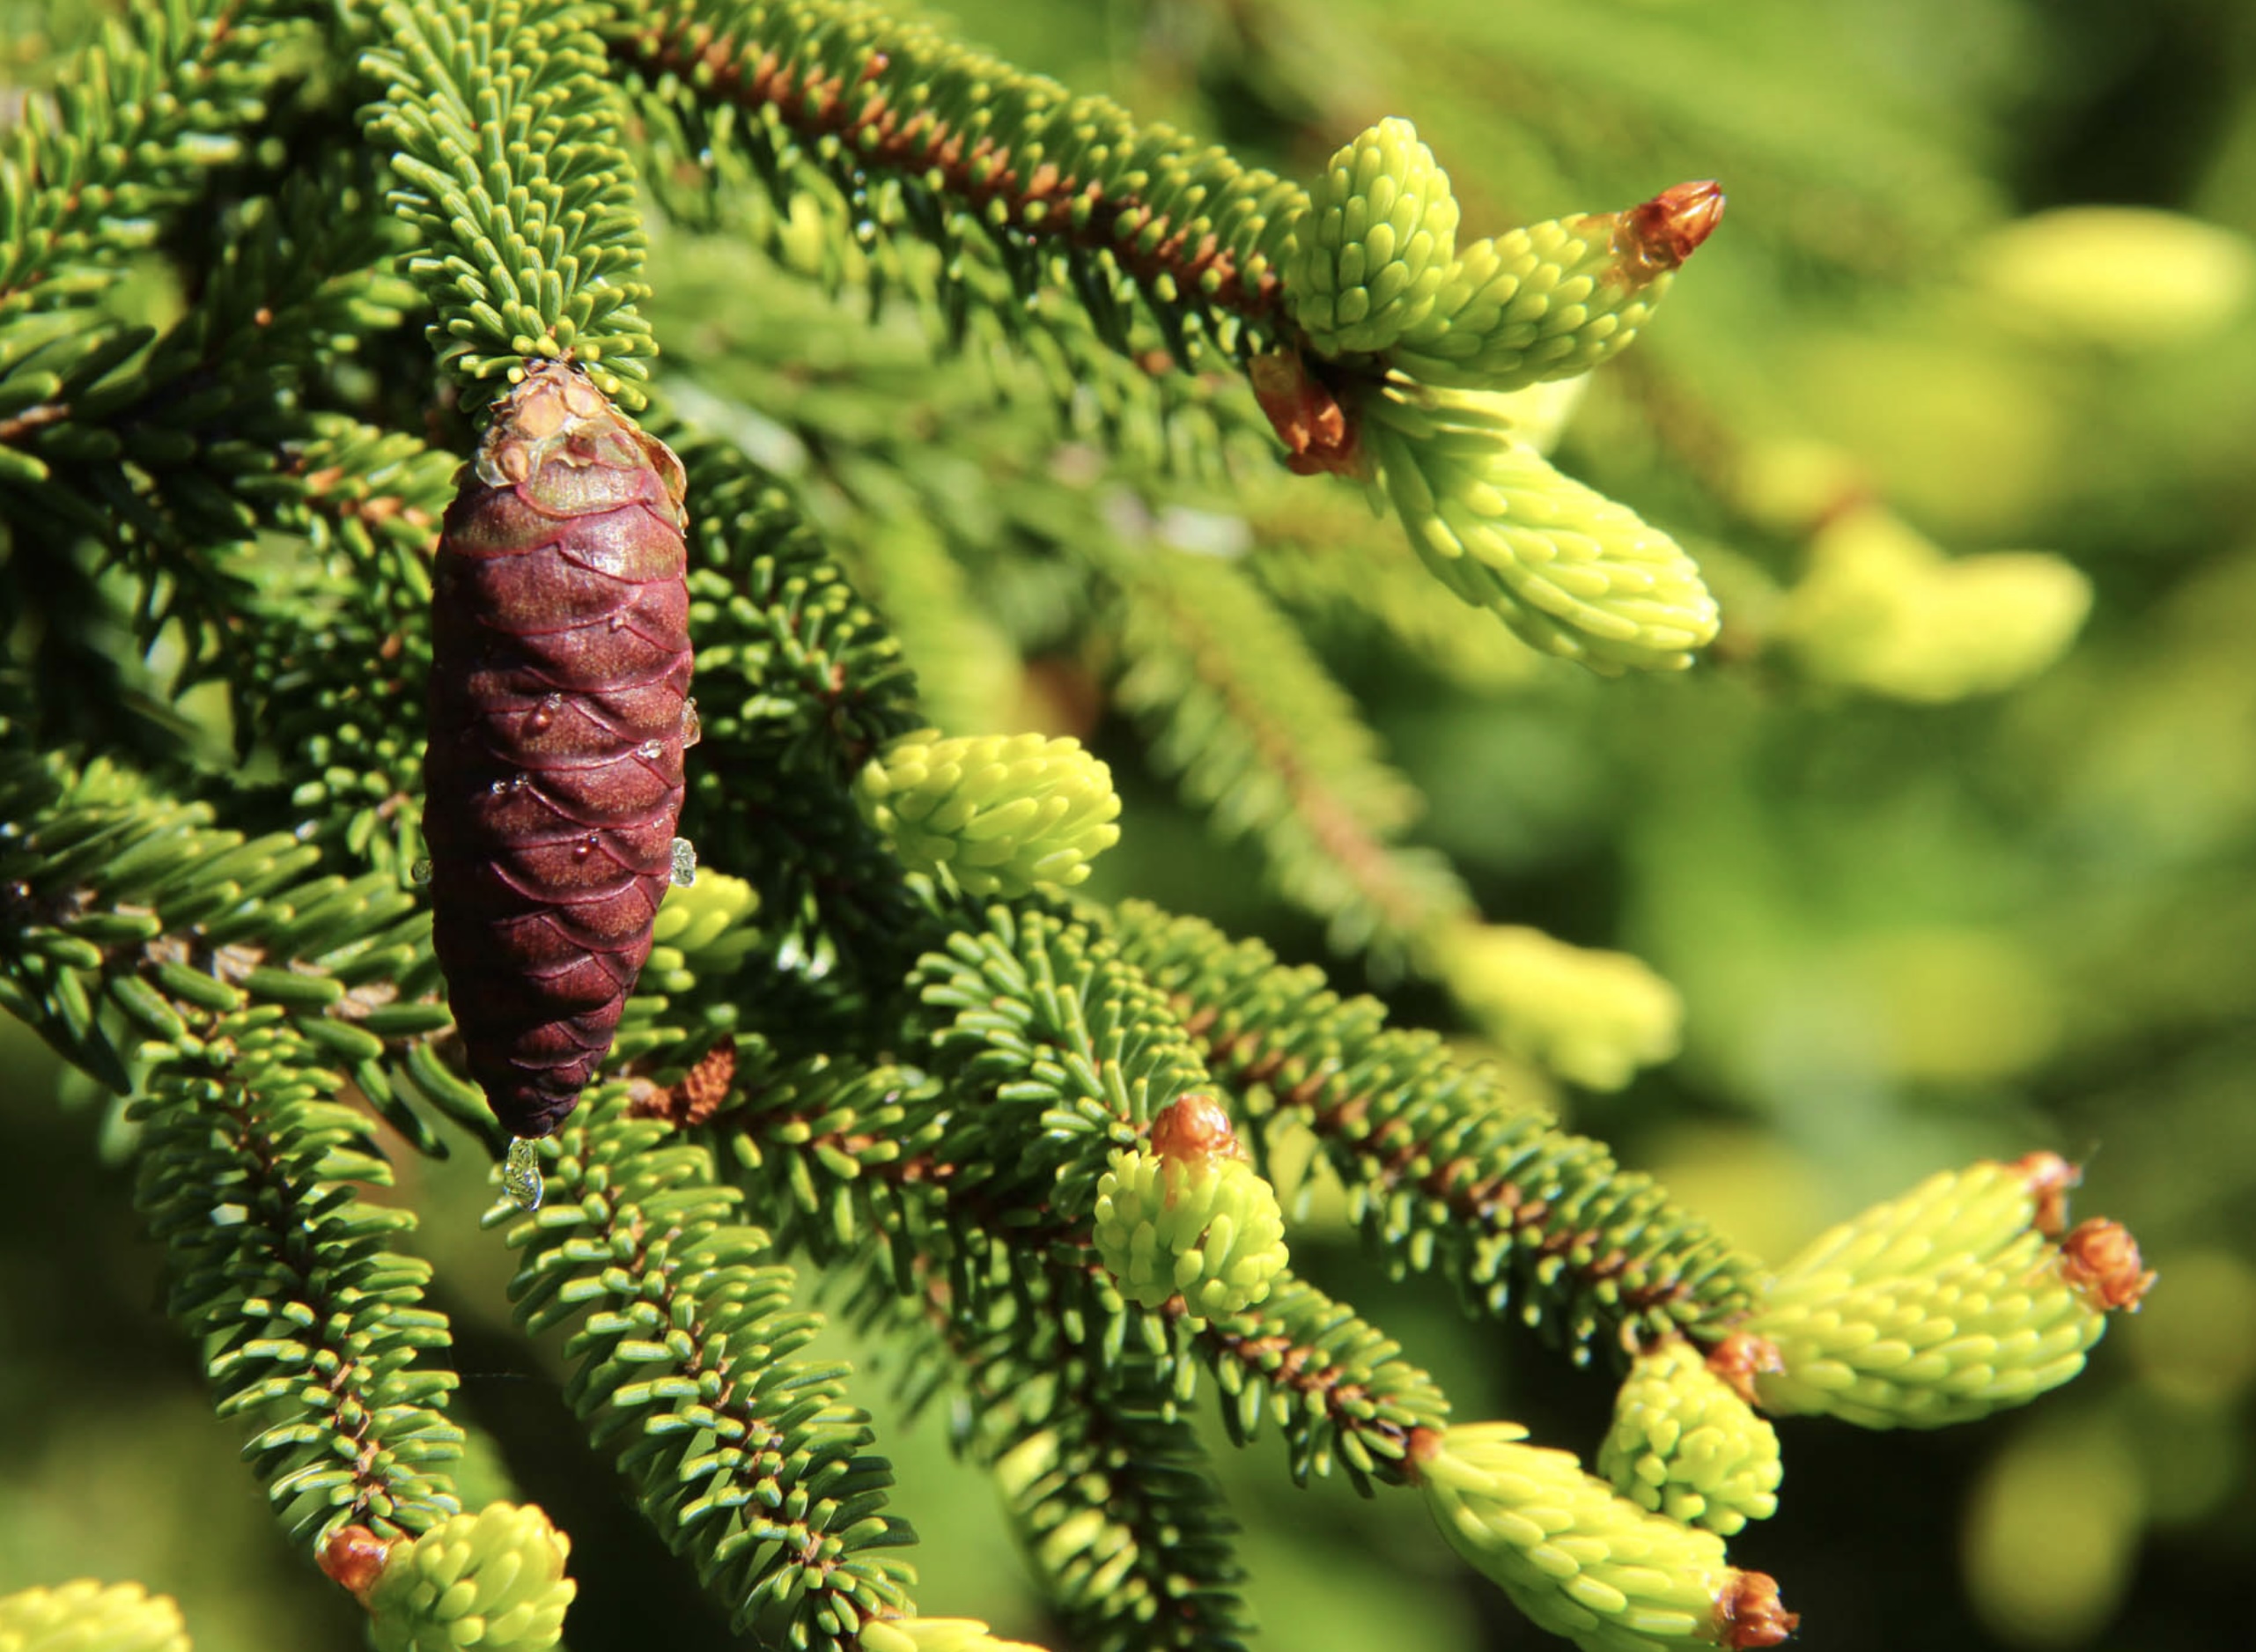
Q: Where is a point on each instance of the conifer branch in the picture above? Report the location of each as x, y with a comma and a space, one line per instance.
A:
180, 455
1060, 1051
745, 1459
512, 171
1338, 1388
1057, 1051
1107, 1488
924, 136
798, 683
121, 901
1234, 702
346, 705
311, 1326
1114, 1504
828, 680
162, 99
1443, 1169
127, 912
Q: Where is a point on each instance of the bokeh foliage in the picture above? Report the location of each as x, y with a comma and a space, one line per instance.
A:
1906, 934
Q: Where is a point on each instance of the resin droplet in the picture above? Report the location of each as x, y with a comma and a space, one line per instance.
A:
421, 871
685, 862
520, 1174
691, 733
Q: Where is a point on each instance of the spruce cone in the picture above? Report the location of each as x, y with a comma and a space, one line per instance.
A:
560, 613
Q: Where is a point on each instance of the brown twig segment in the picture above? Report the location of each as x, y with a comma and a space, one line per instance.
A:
1335, 1367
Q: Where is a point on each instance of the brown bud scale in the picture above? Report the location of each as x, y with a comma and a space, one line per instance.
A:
696, 1096
2101, 1259
1318, 434
353, 1559
1740, 1358
559, 677
1660, 234
2050, 1176
1194, 1127
1749, 1612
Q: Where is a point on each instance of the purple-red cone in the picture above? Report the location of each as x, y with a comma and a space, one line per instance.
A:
560, 672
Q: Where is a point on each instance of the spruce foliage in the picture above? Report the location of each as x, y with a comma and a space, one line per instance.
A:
875, 1039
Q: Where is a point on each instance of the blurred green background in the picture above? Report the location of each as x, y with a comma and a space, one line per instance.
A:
1927, 897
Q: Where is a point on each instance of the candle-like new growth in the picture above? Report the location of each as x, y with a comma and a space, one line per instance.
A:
1556, 298
1944, 1305
1569, 569
936, 1635
1591, 1017
1684, 1444
1190, 1217
493, 1581
1883, 609
1002, 812
1368, 261
1582, 1560
85, 1615
705, 927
